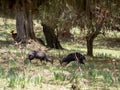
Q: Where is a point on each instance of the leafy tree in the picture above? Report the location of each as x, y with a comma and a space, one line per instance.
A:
23, 10
94, 16
49, 13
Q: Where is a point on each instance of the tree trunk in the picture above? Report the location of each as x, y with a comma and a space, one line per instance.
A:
90, 46
24, 24
90, 39
51, 38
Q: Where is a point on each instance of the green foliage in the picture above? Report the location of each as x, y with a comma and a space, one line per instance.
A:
11, 47
12, 63
93, 73
108, 77
15, 80
119, 79
76, 76
12, 77
12, 81
22, 80
26, 61
2, 72
11, 72
91, 66
59, 76
37, 79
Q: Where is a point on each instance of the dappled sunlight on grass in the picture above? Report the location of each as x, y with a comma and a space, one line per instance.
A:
55, 76
101, 72
107, 53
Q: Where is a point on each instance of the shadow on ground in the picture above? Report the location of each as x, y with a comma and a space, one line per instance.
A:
5, 43
107, 43
113, 42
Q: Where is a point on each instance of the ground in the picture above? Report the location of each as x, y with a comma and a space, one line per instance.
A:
101, 72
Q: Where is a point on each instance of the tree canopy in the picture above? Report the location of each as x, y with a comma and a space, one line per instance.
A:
93, 16
8, 7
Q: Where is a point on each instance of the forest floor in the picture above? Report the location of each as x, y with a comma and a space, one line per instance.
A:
101, 72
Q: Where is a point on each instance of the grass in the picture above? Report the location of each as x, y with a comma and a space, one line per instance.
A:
99, 73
